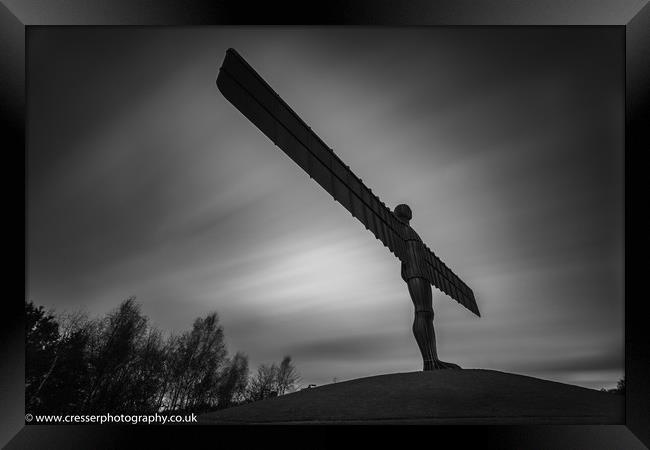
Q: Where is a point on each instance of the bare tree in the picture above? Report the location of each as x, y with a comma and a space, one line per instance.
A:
272, 380
233, 381
121, 364
115, 348
147, 374
41, 340
196, 363
264, 383
287, 376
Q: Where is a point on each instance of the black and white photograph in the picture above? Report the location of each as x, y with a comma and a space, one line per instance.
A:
221, 216
380, 224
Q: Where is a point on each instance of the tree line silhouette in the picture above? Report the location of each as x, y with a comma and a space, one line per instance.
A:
120, 363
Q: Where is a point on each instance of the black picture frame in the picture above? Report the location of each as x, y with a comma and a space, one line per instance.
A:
633, 16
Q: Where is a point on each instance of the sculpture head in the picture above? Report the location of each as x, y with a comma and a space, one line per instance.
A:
403, 213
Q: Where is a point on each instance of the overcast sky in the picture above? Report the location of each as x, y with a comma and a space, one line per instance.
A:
507, 143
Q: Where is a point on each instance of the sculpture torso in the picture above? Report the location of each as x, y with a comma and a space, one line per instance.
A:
415, 264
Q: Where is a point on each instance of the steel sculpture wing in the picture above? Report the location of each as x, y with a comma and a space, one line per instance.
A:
251, 95
448, 282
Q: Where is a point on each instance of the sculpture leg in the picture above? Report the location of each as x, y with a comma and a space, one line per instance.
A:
420, 291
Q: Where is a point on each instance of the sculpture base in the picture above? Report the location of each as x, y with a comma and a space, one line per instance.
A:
439, 365
467, 396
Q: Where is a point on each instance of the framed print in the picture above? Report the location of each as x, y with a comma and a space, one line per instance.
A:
178, 152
